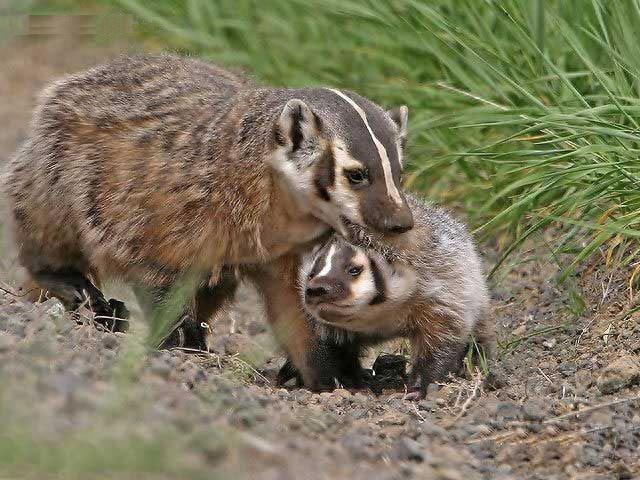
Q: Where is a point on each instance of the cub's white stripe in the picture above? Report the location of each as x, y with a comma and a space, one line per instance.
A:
327, 265
392, 191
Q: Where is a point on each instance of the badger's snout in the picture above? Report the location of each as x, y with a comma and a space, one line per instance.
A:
324, 289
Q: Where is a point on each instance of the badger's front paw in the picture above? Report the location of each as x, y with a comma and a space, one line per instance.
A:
186, 335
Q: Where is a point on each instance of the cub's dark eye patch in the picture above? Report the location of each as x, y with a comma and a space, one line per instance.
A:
358, 176
354, 270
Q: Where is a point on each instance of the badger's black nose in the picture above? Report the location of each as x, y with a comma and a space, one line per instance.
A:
315, 292
325, 289
385, 216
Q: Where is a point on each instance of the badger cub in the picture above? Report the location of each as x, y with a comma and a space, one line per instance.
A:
427, 285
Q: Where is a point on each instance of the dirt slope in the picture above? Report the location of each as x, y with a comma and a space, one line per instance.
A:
564, 402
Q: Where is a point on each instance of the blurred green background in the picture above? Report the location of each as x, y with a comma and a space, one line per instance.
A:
524, 117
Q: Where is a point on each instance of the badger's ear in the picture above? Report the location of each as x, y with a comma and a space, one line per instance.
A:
297, 122
400, 116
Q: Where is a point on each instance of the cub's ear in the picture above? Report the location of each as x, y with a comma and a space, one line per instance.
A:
400, 116
297, 122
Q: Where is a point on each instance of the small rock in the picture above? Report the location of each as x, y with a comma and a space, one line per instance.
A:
360, 397
358, 445
282, 393
533, 427
448, 473
398, 403
358, 413
110, 341
65, 327
428, 405
408, 449
7, 342
567, 368
534, 410
583, 380
342, 393
324, 397
54, 308
160, 367
549, 343
432, 391
391, 418
590, 455
495, 379
235, 344
433, 430
508, 411
521, 330
302, 396
624, 372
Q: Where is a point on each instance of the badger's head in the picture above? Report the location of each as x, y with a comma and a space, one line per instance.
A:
355, 289
341, 155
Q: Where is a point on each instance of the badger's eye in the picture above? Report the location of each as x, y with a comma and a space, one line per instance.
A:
354, 270
357, 176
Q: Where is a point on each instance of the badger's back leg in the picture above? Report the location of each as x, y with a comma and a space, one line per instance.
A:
48, 240
74, 289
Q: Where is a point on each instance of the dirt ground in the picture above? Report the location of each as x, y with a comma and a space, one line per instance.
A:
563, 400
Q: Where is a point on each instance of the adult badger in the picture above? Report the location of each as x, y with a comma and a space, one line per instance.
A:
150, 168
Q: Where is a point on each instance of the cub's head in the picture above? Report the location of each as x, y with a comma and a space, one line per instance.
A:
355, 289
341, 155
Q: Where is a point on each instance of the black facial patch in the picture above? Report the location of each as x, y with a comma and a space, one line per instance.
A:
296, 128
362, 146
325, 176
378, 282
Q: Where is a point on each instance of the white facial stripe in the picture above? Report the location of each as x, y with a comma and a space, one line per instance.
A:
342, 159
392, 191
327, 266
